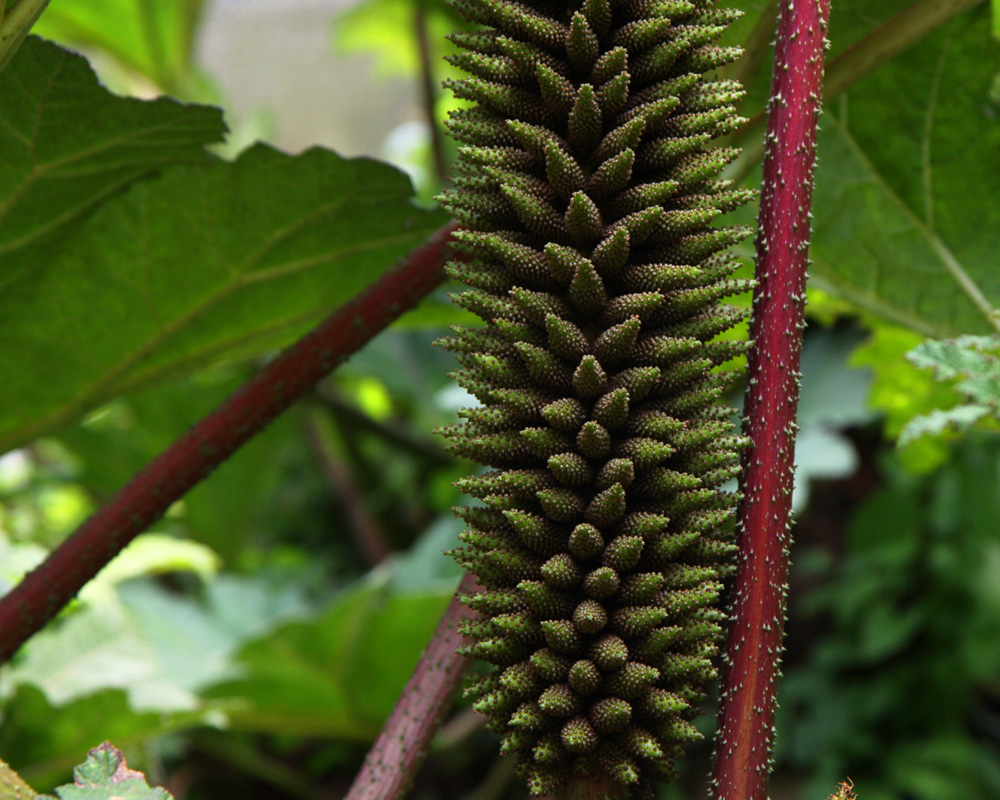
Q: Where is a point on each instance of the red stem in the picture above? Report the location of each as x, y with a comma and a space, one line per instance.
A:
44, 591
746, 717
401, 747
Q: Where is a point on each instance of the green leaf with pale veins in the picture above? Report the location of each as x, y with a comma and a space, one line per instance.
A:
222, 260
105, 775
67, 144
959, 419
974, 358
973, 362
906, 220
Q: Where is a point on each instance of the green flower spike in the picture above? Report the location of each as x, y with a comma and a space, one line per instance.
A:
588, 191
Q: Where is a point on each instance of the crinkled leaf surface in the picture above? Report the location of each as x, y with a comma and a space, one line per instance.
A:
200, 263
850, 22
972, 362
66, 144
976, 359
906, 219
959, 418
105, 775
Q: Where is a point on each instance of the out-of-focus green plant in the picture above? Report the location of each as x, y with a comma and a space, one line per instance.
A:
971, 362
149, 39
900, 684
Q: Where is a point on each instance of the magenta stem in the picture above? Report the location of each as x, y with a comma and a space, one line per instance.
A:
746, 716
393, 761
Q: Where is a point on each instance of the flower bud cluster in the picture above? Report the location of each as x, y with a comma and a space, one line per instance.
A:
588, 188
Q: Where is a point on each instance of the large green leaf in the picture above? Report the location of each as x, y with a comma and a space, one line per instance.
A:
66, 144
907, 223
200, 263
850, 22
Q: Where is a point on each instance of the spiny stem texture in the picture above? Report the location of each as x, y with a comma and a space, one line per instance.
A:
753, 649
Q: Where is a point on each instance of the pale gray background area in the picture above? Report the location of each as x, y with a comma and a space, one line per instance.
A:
277, 57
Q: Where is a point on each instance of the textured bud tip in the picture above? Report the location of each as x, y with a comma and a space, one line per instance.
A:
588, 188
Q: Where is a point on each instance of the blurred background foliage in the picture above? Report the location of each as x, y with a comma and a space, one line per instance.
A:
253, 642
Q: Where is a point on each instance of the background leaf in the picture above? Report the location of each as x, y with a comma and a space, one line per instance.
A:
974, 359
158, 647
12, 787
199, 264
960, 418
901, 391
384, 28
907, 184
45, 742
229, 511
340, 674
971, 364
153, 37
66, 144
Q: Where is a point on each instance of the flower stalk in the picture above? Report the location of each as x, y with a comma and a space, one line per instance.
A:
393, 761
746, 716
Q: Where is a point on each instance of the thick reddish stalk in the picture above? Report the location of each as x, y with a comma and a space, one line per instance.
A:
746, 717
43, 592
397, 754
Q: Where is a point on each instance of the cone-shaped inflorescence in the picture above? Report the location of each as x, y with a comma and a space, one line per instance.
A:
588, 189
